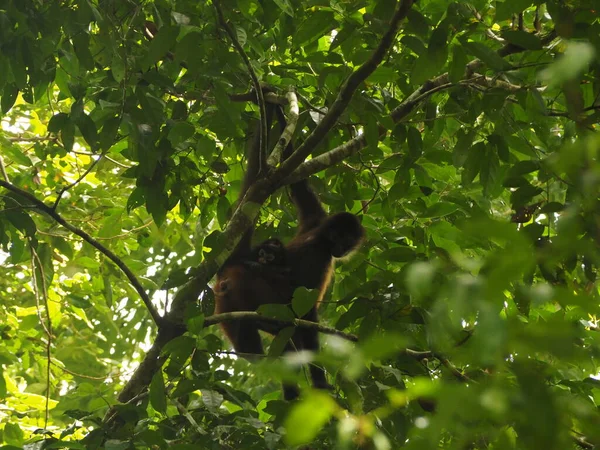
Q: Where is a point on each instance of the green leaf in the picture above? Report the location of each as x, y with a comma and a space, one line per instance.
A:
117, 68
285, 6
276, 311
523, 167
156, 202
15, 153
440, 209
304, 300
81, 43
486, 55
107, 292
280, 341
67, 134
223, 211
212, 400
44, 267
307, 417
382, 345
219, 166
158, 394
87, 262
415, 143
56, 122
314, 27
523, 39
13, 434
524, 194
458, 64
473, 163
195, 324
372, 133
419, 279
109, 133
180, 132
398, 254
573, 62
490, 168
464, 142
88, 130
21, 221
2, 383
159, 46
9, 97
391, 163
501, 147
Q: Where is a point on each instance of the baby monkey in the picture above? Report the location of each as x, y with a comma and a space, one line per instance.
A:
269, 255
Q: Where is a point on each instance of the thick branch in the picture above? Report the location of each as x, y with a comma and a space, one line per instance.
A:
345, 95
242, 218
288, 132
326, 160
41, 206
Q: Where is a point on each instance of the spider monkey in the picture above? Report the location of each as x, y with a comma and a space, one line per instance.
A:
270, 255
268, 260
308, 262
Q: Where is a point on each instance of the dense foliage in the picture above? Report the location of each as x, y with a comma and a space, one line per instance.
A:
474, 165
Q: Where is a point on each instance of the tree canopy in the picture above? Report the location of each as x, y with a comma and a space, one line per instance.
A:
464, 136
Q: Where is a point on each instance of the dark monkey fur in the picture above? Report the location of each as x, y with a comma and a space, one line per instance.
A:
307, 260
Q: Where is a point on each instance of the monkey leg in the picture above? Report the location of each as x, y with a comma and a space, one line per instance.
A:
245, 338
308, 339
290, 390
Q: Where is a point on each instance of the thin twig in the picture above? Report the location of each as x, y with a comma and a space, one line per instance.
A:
108, 158
80, 375
32, 139
257, 87
580, 441
77, 181
46, 325
41, 206
301, 323
185, 413
377, 189
3, 170
488, 30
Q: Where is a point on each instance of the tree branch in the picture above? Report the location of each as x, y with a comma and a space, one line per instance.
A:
255, 83
249, 206
399, 113
288, 132
78, 180
173, 326
345, 95
327, 159
41, 206
406, 107
300, 323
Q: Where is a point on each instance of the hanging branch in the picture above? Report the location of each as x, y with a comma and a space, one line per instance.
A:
255, 83
42, 207
288, 132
